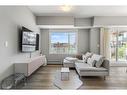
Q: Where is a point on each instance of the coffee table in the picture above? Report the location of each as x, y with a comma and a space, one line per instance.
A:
64, 70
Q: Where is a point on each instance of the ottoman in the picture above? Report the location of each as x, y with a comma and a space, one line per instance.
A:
69, 64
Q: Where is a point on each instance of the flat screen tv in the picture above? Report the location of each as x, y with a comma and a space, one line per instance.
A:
37, 41
28, 41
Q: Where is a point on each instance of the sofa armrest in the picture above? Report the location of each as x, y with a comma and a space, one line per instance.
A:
106, 64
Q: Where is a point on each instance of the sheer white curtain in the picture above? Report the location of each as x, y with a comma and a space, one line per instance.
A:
105, 42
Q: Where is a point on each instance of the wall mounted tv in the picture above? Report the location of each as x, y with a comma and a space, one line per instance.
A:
29, 40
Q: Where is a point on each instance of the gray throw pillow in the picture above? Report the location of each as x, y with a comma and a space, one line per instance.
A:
91, 62
99, 62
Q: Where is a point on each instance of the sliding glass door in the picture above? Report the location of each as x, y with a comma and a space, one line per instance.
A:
118, 44
122, 46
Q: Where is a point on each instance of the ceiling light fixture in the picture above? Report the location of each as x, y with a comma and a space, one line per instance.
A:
66, 8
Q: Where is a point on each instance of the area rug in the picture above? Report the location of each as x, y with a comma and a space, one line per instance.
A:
73, 83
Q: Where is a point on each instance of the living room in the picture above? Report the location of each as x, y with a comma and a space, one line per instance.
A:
66, 38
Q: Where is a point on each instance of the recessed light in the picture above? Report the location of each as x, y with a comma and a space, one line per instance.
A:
66, 8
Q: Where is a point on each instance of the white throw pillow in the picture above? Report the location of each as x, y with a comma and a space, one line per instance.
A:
91, 62
86, 56
99, 60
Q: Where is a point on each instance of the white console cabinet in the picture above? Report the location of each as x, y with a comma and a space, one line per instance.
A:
30, 65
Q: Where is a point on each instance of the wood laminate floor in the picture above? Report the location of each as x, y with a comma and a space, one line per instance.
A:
43, 79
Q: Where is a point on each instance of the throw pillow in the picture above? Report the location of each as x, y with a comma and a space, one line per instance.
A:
99, 60
91, 62
86, 56
99, 63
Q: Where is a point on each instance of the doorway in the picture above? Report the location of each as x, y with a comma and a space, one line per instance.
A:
118, 45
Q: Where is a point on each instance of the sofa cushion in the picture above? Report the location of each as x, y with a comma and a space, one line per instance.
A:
71, 59
86, 67
99, 60
86, 56
91, 62
67, 61
82, 65
80, 61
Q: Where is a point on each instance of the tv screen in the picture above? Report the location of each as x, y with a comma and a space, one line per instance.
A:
28, 41
29, 38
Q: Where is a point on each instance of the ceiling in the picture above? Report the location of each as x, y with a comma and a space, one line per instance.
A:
80, 11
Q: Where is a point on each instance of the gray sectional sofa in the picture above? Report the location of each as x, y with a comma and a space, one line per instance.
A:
85, 69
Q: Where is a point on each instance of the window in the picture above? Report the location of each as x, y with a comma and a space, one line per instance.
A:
118, 44
63, 42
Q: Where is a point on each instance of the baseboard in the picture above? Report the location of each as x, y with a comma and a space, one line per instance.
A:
54, 62
118, 64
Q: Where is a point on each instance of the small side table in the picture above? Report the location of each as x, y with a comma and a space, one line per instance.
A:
64, 71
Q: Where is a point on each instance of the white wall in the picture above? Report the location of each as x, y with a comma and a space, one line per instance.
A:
100, 21
83, 41
83, 22
94, 40
11, 19
83, 44
55, 20
96, 21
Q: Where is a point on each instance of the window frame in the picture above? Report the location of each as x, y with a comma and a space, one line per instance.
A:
65, 31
